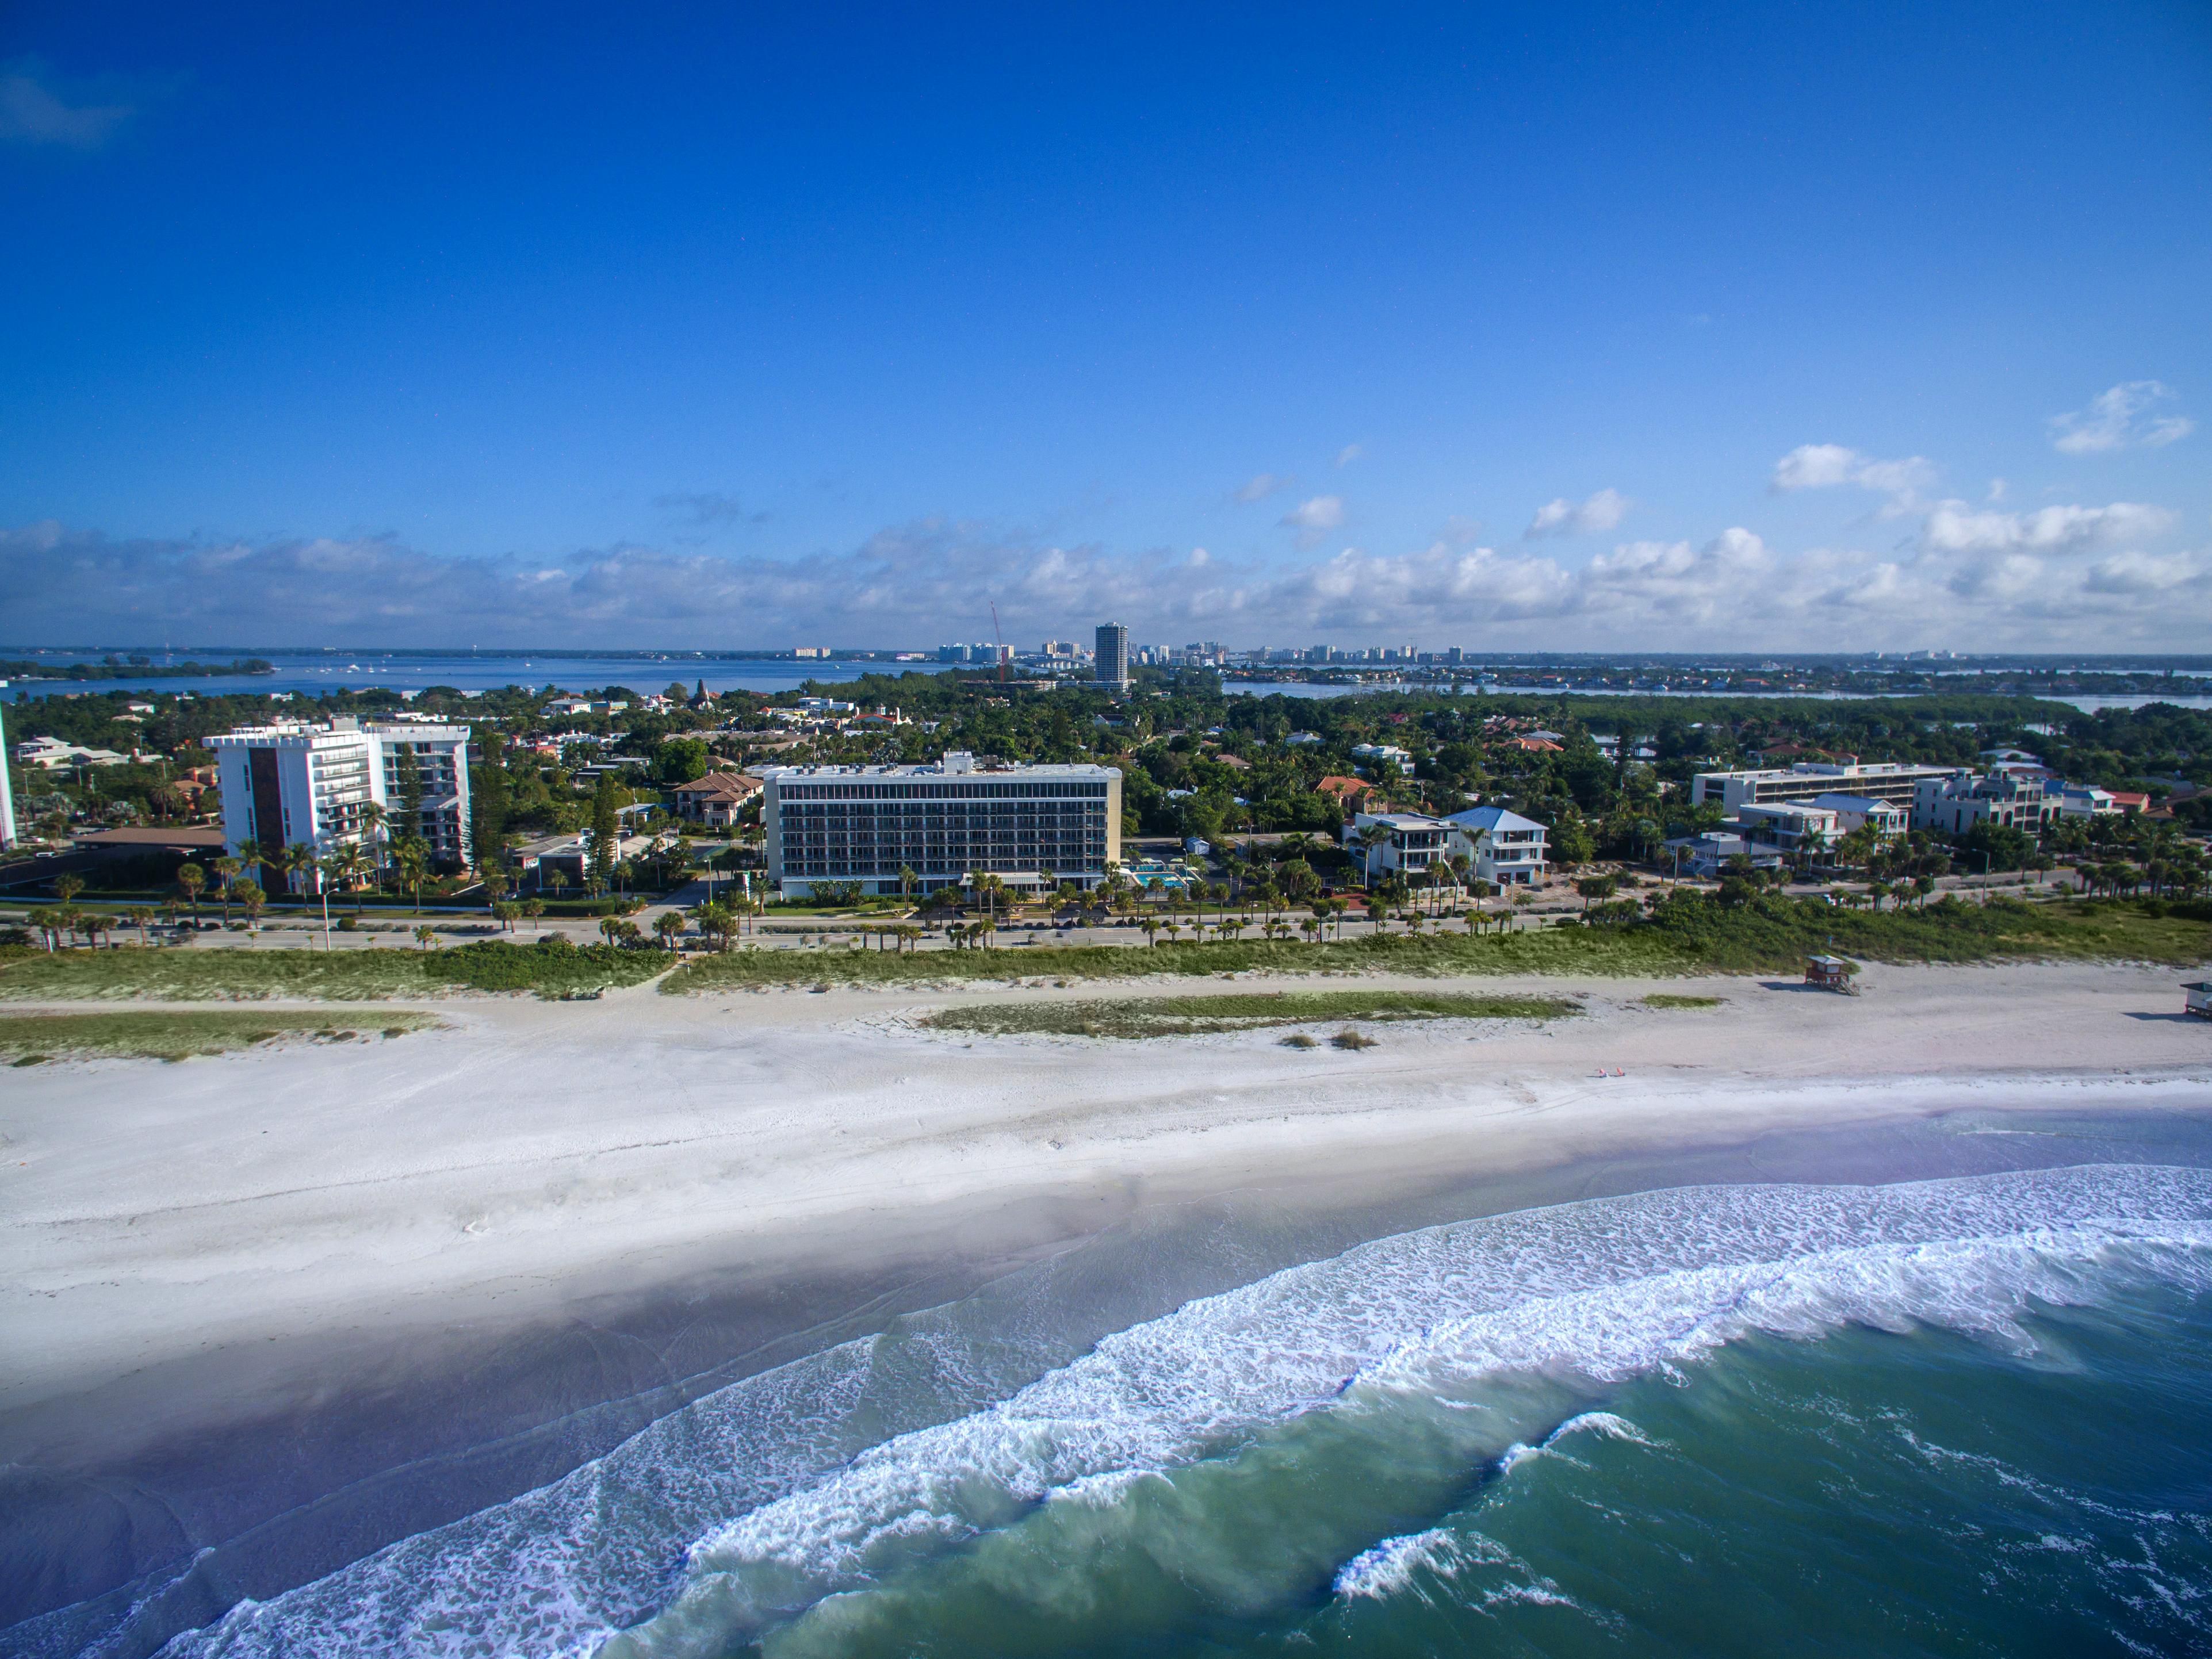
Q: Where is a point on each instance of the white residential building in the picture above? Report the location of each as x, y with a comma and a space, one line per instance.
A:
1383, 842
1383, 754
1508, 849
1033, 827
2082, 800
1808, 781
50, 754
1853, 812
1957, 801
7, 792
1790, 827
294, 781
1503, 847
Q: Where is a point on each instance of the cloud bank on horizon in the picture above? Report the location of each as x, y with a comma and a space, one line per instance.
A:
2106, 577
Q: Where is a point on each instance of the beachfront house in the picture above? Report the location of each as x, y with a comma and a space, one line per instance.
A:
1853, 812
1707, 856
1383, 842
1507, 850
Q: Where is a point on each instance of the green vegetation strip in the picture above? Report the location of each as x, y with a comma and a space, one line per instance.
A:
554, 969
1668, 1000
1690, 934
30, 1039
1152, 1016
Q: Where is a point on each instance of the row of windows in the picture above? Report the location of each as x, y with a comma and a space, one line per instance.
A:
836, 870
939, 791
816, 818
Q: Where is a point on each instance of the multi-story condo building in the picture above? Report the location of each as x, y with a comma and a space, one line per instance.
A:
1808, 781
6, 797
1033, 827
1111, 663
293, 782
1958, 801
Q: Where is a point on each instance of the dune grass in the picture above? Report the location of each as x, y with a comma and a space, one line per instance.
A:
349, 975
1157, 1017
1690, 935
33, 1039
1668, 1000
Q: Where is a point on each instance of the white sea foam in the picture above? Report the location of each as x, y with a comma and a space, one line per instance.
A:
1388, 1567
1598, 1289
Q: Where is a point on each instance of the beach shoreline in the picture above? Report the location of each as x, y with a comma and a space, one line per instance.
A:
451, 1266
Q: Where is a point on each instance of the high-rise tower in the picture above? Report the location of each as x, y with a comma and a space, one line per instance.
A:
1113, 661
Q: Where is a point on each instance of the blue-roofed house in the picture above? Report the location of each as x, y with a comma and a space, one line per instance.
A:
1508, 849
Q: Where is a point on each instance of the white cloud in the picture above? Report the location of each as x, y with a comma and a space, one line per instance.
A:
2149, 573
1314, 518
31, 112
910, 583
1259, 486
2120, 419
1824, 466
1349, 454
1955, 527
1561, 517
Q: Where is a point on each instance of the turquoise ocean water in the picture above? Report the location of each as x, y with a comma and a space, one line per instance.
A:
1967, 1416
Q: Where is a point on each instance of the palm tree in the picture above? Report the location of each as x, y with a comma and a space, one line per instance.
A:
412, 855
425, 935
368, 818
344, 868
557, 880
1370, 837
142, 917
191, 878
669, 926
251, 898
225, 872
295, 862
504, 911
249, 853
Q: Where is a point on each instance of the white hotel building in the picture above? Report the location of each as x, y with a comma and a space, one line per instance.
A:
1033, 827
294, 782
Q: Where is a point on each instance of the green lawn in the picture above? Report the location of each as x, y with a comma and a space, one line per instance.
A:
1152, 1016
1692, 934
350, 976
33, 1039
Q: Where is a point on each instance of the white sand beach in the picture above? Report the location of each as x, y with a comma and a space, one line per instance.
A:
534, 1155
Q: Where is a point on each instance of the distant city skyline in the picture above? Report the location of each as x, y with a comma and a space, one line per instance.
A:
1610, 330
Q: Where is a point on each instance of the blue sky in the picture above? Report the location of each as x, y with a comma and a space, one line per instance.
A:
1677, 327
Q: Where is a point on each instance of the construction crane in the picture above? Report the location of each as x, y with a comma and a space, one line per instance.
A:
998, 642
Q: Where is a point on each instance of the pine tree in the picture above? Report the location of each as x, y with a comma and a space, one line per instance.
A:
488, 794
606, 833
410, 792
